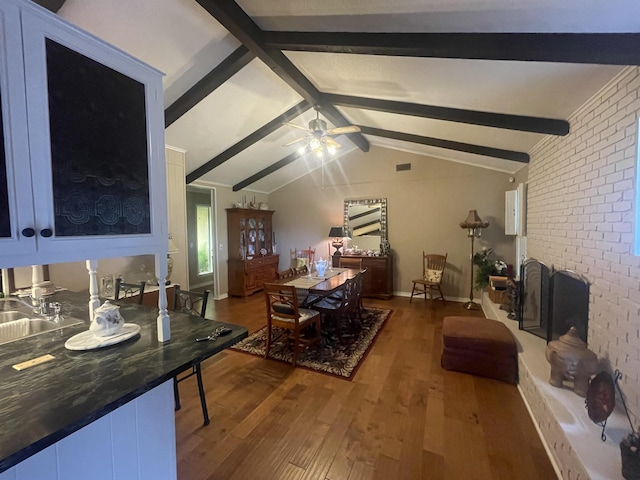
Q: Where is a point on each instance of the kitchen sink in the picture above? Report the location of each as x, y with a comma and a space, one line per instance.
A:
15, 325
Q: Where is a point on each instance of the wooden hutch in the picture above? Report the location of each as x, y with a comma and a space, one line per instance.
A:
251, 259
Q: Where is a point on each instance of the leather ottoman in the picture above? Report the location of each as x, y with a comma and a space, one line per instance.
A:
479, 346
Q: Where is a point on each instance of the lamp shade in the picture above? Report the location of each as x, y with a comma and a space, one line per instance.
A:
474, 221
336, 232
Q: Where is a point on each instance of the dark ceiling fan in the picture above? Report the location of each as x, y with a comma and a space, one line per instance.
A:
319, 137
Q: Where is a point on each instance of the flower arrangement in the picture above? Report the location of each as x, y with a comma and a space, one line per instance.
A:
487, 266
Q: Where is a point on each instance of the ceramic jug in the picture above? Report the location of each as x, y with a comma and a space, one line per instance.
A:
321, 266
106, 320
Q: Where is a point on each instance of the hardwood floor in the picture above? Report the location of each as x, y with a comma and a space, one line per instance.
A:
401, 417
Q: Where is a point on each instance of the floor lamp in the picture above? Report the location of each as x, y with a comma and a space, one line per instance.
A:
474, 225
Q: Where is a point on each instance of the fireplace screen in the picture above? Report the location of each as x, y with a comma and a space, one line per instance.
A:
534, 298
550, 304
569, 304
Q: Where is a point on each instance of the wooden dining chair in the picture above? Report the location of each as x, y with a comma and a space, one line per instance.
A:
289, 273
336, 296
360, 290
433, 266
343, 305
303, 270
348, 262
302, 257
129, 292
192, 303
283, 312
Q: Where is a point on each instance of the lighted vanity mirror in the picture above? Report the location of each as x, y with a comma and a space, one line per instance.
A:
365, 221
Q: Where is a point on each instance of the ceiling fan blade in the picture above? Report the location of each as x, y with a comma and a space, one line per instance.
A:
332, 143
294, 141
289, 124
340, 130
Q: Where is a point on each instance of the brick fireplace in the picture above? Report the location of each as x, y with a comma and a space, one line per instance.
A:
580, 215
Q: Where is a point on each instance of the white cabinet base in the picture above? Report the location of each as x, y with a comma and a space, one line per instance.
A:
138, 440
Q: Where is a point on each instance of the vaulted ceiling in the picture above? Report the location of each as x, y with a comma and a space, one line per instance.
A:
474, 82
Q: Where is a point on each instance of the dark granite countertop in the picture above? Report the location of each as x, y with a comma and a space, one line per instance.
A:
45, 403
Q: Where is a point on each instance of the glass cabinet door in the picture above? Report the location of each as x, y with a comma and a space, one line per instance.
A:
252, 237
5, 220
99, 157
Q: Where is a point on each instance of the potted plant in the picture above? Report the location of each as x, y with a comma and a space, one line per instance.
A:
630, 450
486, 266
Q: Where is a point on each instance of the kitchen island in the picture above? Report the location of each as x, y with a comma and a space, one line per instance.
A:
124, 390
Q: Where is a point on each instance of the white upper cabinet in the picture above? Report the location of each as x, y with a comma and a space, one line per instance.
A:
83, 144
15, 173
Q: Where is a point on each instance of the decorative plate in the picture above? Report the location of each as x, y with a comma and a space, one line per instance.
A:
601, 397
263, 251
87, 340
252, 235
252, 223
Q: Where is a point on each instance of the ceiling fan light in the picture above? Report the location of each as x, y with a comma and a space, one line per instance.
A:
315, 144
302, 149
331, 149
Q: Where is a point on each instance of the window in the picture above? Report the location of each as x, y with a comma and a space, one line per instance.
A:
203, 231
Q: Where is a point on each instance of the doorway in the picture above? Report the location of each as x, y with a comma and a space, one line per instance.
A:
200, 238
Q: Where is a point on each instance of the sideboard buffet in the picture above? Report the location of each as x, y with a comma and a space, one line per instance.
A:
378, 281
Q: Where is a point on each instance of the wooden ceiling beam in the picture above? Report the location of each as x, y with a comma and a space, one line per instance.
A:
241, 26
212, 80
593, 48
249, 140
52, 5
292, 157
487, 119
448, 144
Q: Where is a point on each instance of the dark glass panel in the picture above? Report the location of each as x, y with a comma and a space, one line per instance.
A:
5, 220
98, 147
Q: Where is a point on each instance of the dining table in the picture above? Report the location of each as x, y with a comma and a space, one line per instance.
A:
319, 286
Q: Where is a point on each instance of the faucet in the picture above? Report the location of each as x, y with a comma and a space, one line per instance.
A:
39, 306
17, 300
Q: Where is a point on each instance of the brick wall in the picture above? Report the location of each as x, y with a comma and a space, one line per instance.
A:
581, 217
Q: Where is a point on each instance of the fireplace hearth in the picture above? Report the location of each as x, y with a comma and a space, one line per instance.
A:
552, 301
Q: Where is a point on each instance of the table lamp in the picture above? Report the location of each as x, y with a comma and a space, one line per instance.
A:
172, 248
338, 235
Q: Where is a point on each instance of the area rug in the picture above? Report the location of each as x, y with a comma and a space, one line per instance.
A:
338, 354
